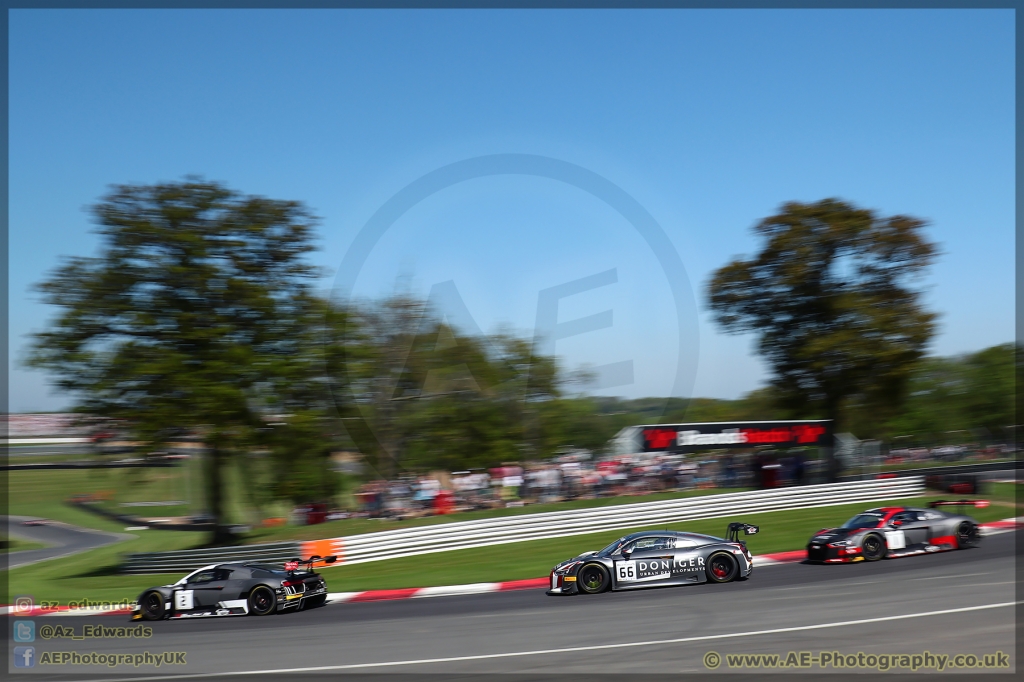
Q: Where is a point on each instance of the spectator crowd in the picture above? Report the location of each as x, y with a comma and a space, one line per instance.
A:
569, 478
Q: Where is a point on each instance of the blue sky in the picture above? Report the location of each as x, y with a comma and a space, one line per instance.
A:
709, 119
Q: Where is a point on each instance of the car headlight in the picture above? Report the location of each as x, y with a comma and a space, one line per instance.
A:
567, 567
841, 543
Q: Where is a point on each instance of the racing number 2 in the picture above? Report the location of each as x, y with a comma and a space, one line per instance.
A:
626, 570
183, 600
895, 539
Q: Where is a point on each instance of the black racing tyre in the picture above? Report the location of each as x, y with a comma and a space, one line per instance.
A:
316, 601
722, 568
262, 601
593, 578
151, 606
873, 547
967, 535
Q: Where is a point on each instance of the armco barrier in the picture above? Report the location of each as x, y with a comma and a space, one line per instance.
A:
357, 549
395, 544
189, 559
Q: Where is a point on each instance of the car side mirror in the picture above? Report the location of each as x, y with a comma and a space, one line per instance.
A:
626, 553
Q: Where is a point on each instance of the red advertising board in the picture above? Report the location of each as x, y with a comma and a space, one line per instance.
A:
722, 435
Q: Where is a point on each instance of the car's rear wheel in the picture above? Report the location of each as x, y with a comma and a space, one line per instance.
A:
873, 548
966, 535
261, 600
593, 578
722, 568
152, 606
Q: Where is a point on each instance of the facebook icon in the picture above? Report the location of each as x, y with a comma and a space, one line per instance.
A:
24, 657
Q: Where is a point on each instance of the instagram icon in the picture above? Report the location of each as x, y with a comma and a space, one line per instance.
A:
23, 604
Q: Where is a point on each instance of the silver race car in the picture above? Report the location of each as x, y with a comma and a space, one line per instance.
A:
655, 558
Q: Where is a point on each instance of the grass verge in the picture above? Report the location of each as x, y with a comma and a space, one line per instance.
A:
13, 544
94, 574
43, 493
1005, 494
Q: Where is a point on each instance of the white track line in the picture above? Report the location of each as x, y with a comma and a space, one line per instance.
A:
571, 649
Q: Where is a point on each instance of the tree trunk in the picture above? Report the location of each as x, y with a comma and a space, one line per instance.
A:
215, 494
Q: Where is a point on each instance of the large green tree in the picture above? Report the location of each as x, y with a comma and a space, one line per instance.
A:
198, 304
832, 299
973, 393
416, 392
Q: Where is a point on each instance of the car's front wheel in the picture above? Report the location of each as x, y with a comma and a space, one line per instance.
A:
966, 535
873, 548
262, 601
593, 578
722, 568
152, 606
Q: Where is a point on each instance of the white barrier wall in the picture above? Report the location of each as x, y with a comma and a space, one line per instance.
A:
443, 537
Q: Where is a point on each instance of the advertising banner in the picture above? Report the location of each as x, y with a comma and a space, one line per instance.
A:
721, 435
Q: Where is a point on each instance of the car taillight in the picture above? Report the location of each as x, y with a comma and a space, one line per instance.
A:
293, 586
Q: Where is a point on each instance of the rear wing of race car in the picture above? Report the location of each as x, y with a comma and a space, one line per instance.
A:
980, 504
733, 534
294, 564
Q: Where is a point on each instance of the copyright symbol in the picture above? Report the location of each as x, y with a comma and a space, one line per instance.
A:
46, 632
712, 660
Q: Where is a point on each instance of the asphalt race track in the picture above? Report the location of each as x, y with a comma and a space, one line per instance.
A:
63, 540
959, 602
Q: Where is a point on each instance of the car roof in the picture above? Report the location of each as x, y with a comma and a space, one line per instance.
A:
886, 511
262, 565
204, 568
649, 534
670, 533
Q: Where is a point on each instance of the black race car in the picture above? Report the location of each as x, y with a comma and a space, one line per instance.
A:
890, 532
237, 589
655, 558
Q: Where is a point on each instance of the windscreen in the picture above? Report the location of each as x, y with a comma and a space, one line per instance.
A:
862, 521
611, 548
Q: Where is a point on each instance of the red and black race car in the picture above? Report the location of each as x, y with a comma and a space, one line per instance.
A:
890, 532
